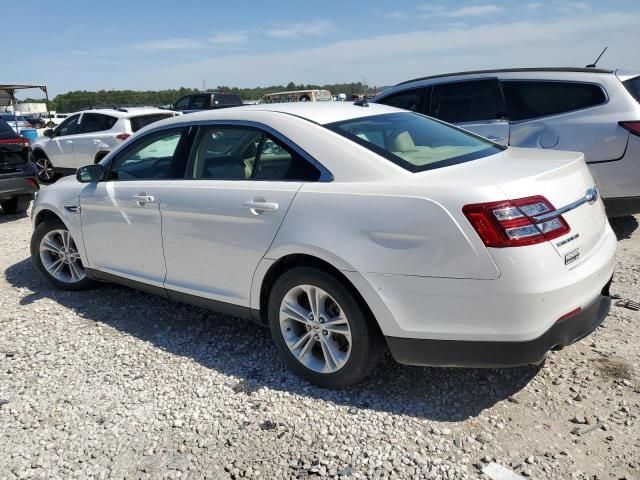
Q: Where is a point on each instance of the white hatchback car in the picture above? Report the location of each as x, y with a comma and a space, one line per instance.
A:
347, 229
88, 136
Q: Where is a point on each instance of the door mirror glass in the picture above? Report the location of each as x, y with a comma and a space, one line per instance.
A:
49, 133
89, 173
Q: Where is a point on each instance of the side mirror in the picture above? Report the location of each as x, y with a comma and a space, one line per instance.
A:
89, 173
49, 133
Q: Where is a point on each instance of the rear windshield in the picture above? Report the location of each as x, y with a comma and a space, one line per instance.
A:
633, 85
415, 142
139, 122
6, 131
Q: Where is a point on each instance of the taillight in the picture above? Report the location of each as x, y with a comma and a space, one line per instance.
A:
123, 136
512, 223
15, 141
28, 125
633, 127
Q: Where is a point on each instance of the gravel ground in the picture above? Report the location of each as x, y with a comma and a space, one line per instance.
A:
114, 383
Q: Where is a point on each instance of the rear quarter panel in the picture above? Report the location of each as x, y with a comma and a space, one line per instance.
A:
377, 230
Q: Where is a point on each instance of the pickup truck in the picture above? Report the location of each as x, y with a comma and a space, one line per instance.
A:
206, 101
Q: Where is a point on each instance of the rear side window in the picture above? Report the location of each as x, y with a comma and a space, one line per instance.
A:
96, 122
533, 99
140, 122
227, 100
407, 100
633, 86
277, 162
415, 142
460, 102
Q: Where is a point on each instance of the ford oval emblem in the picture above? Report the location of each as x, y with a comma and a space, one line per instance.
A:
591, 196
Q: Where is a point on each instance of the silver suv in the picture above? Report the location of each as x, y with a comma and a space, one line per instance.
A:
589, 110
87, 137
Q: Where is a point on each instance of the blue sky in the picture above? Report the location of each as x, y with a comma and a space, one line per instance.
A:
143, 44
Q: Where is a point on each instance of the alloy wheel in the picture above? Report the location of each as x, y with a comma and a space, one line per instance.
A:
45, 169
315, 329
60, 257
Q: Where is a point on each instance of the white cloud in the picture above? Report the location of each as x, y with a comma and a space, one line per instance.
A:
168, 44
533, 5
476, 11
228, 38
314, 28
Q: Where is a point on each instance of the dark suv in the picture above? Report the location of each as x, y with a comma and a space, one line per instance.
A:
206, 101
18, 181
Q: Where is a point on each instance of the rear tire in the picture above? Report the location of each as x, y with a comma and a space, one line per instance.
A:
334, 343
16, 205
55, 256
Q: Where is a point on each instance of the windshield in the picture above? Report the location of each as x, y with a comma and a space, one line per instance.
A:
415, 142
633, 85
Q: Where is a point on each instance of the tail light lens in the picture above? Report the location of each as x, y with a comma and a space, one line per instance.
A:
123, 136
15, 141
511, 223
633, 127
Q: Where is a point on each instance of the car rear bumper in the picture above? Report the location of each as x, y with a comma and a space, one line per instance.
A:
462, 353
18, 184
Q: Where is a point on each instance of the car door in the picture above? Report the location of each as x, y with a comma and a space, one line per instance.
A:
93, 132
475, 105
59, 148
218, 222
120, 215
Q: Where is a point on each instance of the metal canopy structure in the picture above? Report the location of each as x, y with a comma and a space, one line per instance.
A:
8, 93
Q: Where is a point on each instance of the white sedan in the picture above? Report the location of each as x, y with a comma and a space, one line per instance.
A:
347, 229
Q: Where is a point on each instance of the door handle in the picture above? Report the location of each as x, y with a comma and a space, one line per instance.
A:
97, 142
69, 141
496, 139
142, 199
260, 205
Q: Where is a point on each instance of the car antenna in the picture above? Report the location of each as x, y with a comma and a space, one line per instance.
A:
593, 65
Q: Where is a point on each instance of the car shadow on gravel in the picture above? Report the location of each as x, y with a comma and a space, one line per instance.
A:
6, 218
244, 351
624, 226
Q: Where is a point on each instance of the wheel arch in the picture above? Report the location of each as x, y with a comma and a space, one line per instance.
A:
293, 260
100, 155
37, 151
46, 214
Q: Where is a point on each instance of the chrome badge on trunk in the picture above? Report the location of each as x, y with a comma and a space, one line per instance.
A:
572, 256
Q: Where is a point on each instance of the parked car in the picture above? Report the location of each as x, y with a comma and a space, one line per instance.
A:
588, 110
88, 136
54, 119
16, 122
207, 101
346, 230
35, 121
18, 181
298, 96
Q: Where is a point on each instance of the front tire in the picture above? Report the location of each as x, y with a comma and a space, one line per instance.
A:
46, 173
55, 256
320, 329
16, 205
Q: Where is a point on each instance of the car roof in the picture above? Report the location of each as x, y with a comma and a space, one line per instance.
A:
513, 70
317, 112
124, 112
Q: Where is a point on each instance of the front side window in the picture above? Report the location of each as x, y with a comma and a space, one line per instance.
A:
415, 142
633, 87
407, 100
470, 101
96, 122
68, 127
200, 101
535, 98
182, 104
152, 157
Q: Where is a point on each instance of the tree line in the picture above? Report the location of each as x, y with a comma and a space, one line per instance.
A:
82, 99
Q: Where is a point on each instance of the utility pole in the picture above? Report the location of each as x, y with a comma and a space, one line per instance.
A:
204, 85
